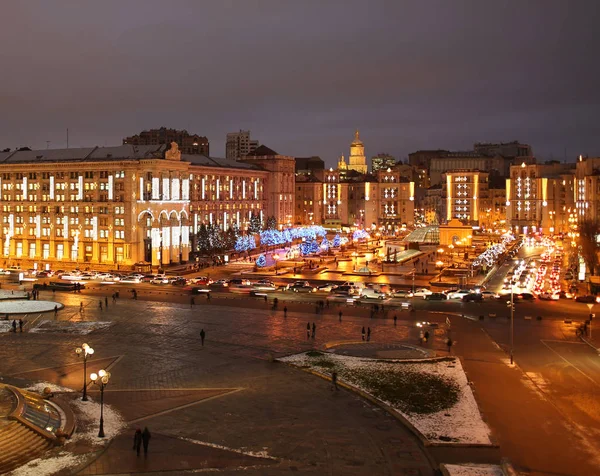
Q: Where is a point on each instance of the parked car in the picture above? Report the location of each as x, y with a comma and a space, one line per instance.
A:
436, 297
526, 297
178, 281
239, 282
220, 283
160, 279
402, 294
489, 295
588, 299
264, 286
302, 288
422, 292
329, 287
461, 293
472, 297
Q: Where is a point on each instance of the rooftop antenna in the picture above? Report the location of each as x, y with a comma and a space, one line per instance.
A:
67, 137
47, 144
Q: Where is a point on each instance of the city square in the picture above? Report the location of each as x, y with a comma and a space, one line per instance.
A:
267, 237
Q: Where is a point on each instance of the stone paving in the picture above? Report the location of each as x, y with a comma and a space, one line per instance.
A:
227, 393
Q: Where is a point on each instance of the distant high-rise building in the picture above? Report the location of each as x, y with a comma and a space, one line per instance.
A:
357, 160
188, 143
382, 162
239, 145
505, 149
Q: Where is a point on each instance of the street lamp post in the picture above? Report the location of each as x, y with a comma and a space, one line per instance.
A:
590, 306
512, 320
84, 351
355, 259
101, 379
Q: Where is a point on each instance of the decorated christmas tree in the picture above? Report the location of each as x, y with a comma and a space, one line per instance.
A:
337, 241
261, 261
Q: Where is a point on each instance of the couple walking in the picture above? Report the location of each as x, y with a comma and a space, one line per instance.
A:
141, 437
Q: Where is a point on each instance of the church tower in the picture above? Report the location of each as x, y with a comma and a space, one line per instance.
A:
342, 163
357, 160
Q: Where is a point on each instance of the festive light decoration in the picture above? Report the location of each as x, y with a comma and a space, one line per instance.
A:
309, 247
261, 261
245, 243
325, 244
360, 235
337, 241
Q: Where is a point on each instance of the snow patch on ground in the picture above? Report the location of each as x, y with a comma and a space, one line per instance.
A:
40, 386
474, 470
78, 328
48, 466
462, 423
88, 416
28, 307
255, 454
9, 294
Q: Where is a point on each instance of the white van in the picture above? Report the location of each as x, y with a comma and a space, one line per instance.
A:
370, 293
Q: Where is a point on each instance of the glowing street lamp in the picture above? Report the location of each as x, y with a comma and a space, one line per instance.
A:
84, 351
101, 379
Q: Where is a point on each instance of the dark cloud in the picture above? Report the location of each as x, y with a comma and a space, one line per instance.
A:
303, 75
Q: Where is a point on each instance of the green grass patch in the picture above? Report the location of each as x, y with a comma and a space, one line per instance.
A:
324, 363
411, 392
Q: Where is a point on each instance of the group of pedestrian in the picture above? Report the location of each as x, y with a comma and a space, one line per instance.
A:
141, 438
14, 325
311, 331
366, 336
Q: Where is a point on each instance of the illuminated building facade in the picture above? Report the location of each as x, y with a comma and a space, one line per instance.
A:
117, 206
279, 193
465, 193
540, 197
308, 199
587, 188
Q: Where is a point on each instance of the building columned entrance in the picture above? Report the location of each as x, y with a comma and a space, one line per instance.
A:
163, 237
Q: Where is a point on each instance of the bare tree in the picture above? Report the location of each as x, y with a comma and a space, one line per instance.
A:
588, 233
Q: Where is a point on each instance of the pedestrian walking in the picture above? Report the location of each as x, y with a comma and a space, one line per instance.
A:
146, 440
56, 310
449, 343
421, 337
395, 319
20, 325
426, 335
363, 333
192, 302
202, 336
334, 386
114, 298
14, 326
308, 330
137, 441
266, 298
368, 334
100, 304
208, 297
106, 302
314, 330
340, 316
80, 306
285, 311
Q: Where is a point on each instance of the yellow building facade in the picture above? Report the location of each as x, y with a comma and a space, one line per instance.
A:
114, 207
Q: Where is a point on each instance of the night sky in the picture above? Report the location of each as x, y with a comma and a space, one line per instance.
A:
302, 75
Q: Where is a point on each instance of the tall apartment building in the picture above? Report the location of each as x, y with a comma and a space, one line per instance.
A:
382, 162
188, 143
587, 188
511, 150
280, 187
239, 145
466, 195
541, 197
117, 206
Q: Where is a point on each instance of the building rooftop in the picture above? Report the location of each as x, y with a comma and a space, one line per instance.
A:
119, 152
262, 150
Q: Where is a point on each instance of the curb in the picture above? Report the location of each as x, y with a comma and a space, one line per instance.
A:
584, 339
396, 414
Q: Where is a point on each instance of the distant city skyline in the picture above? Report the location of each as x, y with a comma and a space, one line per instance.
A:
422, 75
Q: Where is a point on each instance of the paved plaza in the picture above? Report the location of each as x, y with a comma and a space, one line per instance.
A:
226, 404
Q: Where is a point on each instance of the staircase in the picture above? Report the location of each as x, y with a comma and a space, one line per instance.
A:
19, 444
